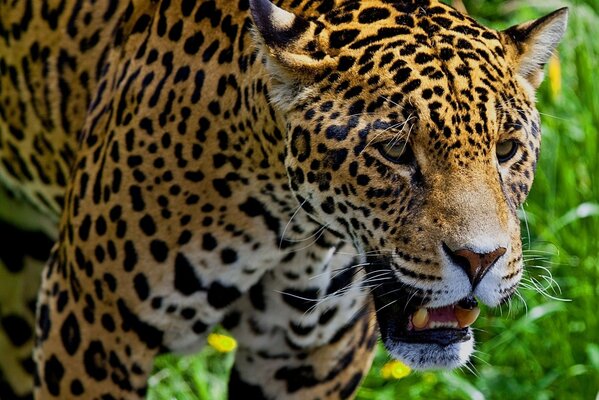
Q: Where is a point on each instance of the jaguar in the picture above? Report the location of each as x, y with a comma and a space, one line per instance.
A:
310, 175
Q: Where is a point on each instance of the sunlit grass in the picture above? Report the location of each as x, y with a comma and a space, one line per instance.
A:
203, 376
540, 347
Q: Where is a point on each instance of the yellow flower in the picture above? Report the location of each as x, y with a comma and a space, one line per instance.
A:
555, 76
222, 343
395, 370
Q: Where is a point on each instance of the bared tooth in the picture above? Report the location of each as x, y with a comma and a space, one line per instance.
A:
420, 318
466, 317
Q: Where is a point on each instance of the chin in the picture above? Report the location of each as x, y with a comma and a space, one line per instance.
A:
445, 349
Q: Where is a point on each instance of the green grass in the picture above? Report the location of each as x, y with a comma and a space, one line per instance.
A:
548, 348
203, 376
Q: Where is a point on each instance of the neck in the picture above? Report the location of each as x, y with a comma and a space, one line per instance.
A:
267, 127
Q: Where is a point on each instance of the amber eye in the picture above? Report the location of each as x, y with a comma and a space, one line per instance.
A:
398, 152
506, 150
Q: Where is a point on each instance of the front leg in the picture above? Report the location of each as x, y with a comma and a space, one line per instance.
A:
330, 371
89, 345
306, 332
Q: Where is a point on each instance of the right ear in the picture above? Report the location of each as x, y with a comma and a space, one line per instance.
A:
295, 48
535, 41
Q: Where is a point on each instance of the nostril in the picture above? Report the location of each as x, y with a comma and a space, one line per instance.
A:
461, 261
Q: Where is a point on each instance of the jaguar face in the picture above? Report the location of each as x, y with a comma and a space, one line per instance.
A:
412, 132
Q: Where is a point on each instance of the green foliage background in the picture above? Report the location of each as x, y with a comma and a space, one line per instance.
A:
546, 344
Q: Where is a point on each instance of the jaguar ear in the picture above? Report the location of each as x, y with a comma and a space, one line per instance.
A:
460, 6
535, 41
294, 49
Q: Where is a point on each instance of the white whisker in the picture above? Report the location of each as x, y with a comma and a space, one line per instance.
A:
387, 305
289, 222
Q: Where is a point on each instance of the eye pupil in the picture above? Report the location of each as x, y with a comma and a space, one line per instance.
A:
506, 150
398, 153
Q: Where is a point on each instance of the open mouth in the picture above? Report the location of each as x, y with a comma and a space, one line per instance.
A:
422, 336
409, 322
442, 326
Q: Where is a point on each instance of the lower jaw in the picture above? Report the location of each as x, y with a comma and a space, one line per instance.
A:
440, 337
431, 354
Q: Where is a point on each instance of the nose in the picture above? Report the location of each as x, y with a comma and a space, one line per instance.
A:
476, 265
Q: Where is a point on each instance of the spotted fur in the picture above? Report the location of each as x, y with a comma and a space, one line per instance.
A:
292, 172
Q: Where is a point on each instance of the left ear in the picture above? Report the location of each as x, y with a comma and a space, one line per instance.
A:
534, 43
293, 42
295, 49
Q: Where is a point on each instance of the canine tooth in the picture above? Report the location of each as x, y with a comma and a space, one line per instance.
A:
466, 317
420, 318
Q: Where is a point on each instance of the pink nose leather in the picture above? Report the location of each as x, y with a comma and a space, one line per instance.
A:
476, 265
